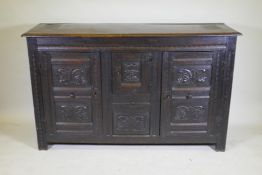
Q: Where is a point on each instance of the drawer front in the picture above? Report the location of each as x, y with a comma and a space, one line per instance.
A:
71, 81
131, 92
187, 93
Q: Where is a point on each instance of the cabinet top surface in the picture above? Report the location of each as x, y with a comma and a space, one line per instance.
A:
129, 29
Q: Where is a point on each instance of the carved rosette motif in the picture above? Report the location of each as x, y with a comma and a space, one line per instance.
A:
66, 76
189, 113
201, 75
130, 72
130, 123
68, 113
191, 76
184, 76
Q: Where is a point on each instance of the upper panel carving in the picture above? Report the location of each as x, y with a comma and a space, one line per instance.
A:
191, 76
71, 75
131, 72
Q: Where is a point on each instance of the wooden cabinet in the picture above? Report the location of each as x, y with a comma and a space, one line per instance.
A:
131, 83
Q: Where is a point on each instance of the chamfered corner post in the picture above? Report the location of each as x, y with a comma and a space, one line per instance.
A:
37, 93
226, 79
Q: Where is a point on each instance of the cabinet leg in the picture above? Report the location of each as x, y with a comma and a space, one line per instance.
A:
43, 146
220, 146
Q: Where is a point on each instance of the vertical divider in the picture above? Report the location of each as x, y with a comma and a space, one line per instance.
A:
106, 88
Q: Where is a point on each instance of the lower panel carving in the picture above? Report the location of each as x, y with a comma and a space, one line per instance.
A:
128, 121
189, 111
185, 113
131, 123
73, 116
73, 112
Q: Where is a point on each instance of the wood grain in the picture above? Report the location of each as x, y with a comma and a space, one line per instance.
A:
129, 30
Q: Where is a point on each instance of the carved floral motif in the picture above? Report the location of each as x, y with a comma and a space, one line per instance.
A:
189, 112
184, 76
67, 113
191, 76
201, 75
131, 71
130, 123
65, 76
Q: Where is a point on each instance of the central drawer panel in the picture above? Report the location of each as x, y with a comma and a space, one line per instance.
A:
132, 88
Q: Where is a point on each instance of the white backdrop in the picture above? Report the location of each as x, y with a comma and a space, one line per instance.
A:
245, 16
18, 16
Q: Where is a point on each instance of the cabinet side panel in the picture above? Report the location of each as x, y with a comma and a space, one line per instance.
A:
37, 94
227, 69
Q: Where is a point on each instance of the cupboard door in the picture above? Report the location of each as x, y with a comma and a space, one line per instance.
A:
188, 81
131, 92
72, 92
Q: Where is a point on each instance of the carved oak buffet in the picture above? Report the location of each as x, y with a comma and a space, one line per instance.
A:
131, 83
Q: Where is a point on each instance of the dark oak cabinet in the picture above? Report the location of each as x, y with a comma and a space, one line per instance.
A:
131, 83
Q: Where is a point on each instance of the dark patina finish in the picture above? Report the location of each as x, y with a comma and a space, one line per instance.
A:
132, 83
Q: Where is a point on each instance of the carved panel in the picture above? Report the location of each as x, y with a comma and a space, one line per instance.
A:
131, 123
131, 72
73, 112
189, 112
191, 76
192, 111
71, 75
